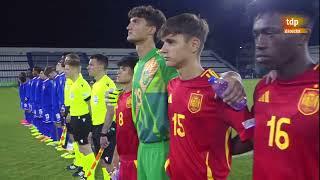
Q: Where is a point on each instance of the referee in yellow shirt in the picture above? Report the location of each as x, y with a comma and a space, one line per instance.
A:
97, 69
81, 124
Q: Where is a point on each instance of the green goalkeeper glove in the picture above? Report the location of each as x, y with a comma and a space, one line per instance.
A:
112, 97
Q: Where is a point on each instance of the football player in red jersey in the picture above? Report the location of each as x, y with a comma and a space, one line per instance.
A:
286, 138
200, 125
126, 134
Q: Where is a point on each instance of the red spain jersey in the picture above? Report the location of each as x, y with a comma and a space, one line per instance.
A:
200, 130
286, 138
126, 134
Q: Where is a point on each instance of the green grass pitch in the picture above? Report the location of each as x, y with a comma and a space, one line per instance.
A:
24, 157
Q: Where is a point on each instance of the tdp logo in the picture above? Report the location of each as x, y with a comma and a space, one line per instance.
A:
292, 22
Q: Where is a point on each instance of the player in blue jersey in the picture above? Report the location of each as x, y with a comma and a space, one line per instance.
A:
27, 99
61, 79
36, 104
38, 112
45, 106
60, 84
34, 100
22, 94
57, 99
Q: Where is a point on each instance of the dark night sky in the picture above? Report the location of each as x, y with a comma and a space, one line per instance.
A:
102, 23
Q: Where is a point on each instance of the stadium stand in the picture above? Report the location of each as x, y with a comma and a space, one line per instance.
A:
314, 51
15, 60
10, 67
208, 59
44, 59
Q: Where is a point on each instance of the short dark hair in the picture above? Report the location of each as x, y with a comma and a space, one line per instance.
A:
48, 70
37, 69
307, 8
154, 17
62, 61
128, 61
101, 59
63, 58
74, 60
22, 77
188, 25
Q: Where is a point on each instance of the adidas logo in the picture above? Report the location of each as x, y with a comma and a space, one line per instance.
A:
265, 97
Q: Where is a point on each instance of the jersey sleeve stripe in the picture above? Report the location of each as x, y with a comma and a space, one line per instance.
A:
209, 171
209, 73
227, 138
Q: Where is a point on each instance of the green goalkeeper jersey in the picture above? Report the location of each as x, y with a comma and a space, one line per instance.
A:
150, 97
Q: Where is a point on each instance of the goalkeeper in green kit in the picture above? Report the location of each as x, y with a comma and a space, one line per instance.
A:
149, 92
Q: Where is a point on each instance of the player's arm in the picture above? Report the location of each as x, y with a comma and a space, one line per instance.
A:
108, 120
238, 147
44, 101
58, 92
243, 122
54, 99
86, 94
26, 98
41, 100
108, 130
111, 98
115, 160
48, 111
64, 109
235, 91
111, 102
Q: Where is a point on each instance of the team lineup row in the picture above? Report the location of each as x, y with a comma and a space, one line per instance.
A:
168, 122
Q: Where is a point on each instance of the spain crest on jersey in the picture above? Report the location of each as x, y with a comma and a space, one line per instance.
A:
195, 101
309, 101
129, 102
